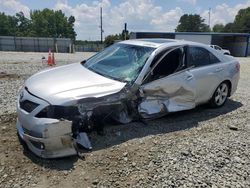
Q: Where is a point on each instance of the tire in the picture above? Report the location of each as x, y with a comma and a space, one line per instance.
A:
220, 95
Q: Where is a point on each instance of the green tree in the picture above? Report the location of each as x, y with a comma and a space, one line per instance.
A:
229, 28
124, 35
42, 23
71, 31
23, 25
50, 23
241, 22
218, 28
110, 39
8, 25
192, 23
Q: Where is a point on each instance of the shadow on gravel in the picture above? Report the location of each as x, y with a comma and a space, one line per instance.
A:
117, 134
60, 164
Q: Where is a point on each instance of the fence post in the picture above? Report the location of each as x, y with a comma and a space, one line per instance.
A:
15, 42
38, 45
21, 43
34, 43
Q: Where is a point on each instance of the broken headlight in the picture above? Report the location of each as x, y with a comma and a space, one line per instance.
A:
28, 106
58, 112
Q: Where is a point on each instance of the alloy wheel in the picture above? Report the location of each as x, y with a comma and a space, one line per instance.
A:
221, 94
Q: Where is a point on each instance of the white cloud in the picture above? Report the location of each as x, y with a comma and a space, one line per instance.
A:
13, 6
223, 13
168, 21
140, 15
87, 17
192, 2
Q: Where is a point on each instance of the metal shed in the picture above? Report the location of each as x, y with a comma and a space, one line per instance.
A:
237, 43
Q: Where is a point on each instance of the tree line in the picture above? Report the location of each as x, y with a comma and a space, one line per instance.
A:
50, 23
42, 23
195, 23
241, 23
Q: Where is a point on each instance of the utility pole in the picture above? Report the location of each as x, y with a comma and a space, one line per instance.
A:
101, 23
209, 16
125, 31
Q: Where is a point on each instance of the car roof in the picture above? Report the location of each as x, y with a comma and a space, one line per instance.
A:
165, 43
159, 42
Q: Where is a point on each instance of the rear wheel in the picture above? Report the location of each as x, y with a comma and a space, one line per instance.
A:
220, 95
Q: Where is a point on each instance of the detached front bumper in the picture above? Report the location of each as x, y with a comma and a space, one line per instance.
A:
47, 138
50, 147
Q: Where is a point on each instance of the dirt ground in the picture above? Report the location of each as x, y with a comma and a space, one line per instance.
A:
203, 147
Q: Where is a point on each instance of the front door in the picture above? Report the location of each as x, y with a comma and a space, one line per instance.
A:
169, 87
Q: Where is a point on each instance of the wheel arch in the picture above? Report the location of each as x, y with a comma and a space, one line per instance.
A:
229, 83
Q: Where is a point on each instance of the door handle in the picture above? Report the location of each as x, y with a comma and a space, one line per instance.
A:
189, 77
218, 69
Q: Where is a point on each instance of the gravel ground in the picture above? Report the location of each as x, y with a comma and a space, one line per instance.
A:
198, 148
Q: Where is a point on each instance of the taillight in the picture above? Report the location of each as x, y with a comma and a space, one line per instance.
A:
237, 66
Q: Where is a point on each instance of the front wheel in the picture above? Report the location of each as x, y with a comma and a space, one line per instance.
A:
220, 95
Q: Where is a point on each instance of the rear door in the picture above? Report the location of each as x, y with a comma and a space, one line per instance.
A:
207, 70
169, 86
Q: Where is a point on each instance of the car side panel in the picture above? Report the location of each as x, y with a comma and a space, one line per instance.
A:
169, 94
209, 77
207, 80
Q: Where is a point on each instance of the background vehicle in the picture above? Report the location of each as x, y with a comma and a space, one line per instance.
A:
127, 81
224, 51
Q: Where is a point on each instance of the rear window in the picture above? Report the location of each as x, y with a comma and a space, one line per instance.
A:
199, 56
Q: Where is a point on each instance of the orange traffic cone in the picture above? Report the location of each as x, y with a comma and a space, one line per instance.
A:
50, 63
53, 59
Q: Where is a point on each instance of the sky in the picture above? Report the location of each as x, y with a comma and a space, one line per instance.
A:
140, 15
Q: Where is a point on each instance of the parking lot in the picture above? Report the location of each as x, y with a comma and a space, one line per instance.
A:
203, 147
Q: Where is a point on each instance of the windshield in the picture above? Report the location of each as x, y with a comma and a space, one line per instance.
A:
121, 62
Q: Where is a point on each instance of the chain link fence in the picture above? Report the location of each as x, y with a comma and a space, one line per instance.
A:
89, 47
36, 44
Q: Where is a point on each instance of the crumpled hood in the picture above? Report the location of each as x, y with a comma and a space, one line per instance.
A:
67, 83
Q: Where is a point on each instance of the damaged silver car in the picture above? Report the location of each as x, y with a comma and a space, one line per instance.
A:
128, 81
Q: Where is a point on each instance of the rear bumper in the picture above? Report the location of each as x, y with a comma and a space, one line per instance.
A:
235, 81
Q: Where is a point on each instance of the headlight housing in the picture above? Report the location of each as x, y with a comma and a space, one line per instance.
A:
58, 112
28, 106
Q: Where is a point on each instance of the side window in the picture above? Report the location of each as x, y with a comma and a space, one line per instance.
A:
169, 64
199, 56
213, 59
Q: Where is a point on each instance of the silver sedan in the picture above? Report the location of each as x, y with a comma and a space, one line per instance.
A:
130, 80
